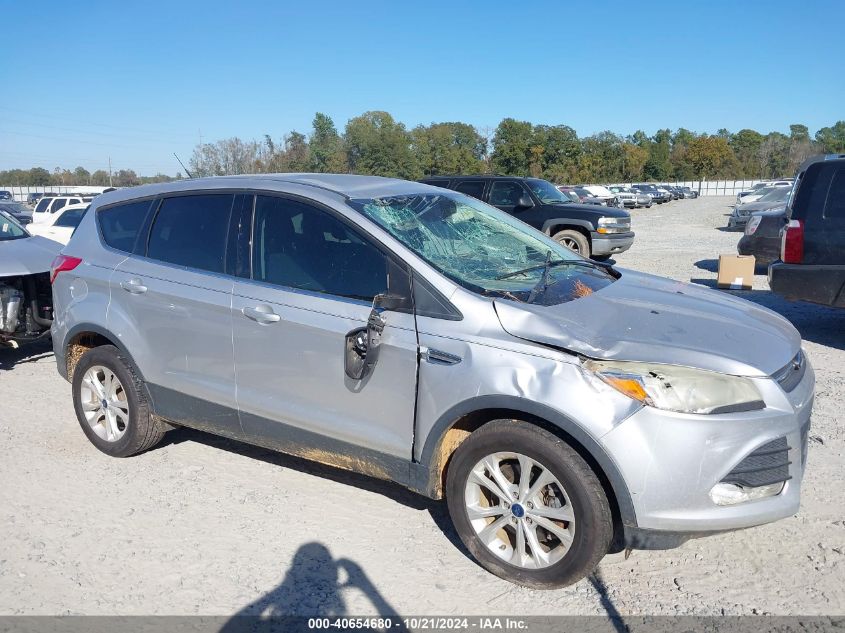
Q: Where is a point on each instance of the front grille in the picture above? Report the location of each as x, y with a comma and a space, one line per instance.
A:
769, 464
789, 376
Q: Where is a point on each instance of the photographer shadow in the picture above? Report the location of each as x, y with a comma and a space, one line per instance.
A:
313, 587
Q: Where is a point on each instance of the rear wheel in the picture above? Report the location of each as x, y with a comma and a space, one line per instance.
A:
111, 404
574, 241
527, 506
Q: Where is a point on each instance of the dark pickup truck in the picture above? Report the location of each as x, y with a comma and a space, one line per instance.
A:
591, 230
812, 256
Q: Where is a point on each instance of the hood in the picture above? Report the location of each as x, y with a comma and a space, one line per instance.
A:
608, 212
27, 255
646, 318
761, 206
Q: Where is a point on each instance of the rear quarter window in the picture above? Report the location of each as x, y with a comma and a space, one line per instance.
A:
120, 224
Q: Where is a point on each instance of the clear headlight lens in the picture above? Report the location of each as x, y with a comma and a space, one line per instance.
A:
680, 389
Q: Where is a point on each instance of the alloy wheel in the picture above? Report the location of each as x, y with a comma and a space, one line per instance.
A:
519, 510
104, 403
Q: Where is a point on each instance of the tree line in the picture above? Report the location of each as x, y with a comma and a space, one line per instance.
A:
59, 177
375, 143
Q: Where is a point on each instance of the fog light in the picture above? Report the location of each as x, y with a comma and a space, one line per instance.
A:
732, 494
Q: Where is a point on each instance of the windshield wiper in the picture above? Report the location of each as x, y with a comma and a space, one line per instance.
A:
586, 263
543, 282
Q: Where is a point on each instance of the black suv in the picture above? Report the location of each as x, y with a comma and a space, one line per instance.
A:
591, 230
812, 266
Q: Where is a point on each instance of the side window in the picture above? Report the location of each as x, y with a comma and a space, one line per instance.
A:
300, 246
42, 205
58, 203
505, 193
71, 218
834, 208
120, 224
191, 231
474, 188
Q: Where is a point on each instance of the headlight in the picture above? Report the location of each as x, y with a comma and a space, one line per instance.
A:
613, 225
680, 389
752, 225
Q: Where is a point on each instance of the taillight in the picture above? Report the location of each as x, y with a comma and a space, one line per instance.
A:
63, 263
792, 243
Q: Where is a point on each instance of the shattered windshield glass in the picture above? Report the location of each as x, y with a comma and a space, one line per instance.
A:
486, 250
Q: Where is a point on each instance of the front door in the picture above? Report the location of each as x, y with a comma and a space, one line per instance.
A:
313, 281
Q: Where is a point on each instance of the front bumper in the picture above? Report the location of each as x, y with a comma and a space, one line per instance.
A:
671, 462
808, 282
611, 243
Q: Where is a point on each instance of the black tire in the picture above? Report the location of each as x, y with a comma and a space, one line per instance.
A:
143, 431
573, 240
593, 523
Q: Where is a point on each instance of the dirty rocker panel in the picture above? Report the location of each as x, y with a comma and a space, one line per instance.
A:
199, 414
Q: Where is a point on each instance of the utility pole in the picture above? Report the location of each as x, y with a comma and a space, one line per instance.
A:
110, 171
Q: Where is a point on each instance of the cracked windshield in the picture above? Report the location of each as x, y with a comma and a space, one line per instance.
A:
485, 250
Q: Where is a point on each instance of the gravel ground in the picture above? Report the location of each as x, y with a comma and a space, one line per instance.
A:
202, 525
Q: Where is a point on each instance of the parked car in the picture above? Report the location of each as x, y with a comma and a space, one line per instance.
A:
569, 192
774, 199
51, 204
689, 192
667, 195
33, 198
6, 195
60, 225
592, 231
760, 189
632, 197
421, 336
656, 195
604, 194
812, 257
762, 236
26, 306
20, 212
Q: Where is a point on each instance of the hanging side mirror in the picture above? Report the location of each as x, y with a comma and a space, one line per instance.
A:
362, 344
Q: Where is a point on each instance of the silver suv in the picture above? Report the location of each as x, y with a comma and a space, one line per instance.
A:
563, 407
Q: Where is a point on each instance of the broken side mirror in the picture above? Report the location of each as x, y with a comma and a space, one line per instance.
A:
362, 344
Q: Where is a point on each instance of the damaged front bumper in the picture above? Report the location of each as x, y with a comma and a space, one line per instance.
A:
672, 463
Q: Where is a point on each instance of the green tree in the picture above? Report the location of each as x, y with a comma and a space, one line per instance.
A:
448, 148
832, 139
38, 177
659, 163
81, 176
746, 147
710, 157
512, 144
327, 152
378, 145
635, 158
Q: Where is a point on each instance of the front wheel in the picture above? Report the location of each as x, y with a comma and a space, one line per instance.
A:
527, 506
574, 241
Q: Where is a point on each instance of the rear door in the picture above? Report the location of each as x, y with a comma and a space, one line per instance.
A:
314, 277
174, 302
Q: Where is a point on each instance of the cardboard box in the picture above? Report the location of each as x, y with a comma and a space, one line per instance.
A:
736, 272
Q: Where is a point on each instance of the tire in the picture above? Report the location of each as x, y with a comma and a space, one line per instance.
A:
589, 533
133, 429
573, 240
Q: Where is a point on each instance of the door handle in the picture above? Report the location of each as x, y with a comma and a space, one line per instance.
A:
261, 314
133, 286
438, 357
